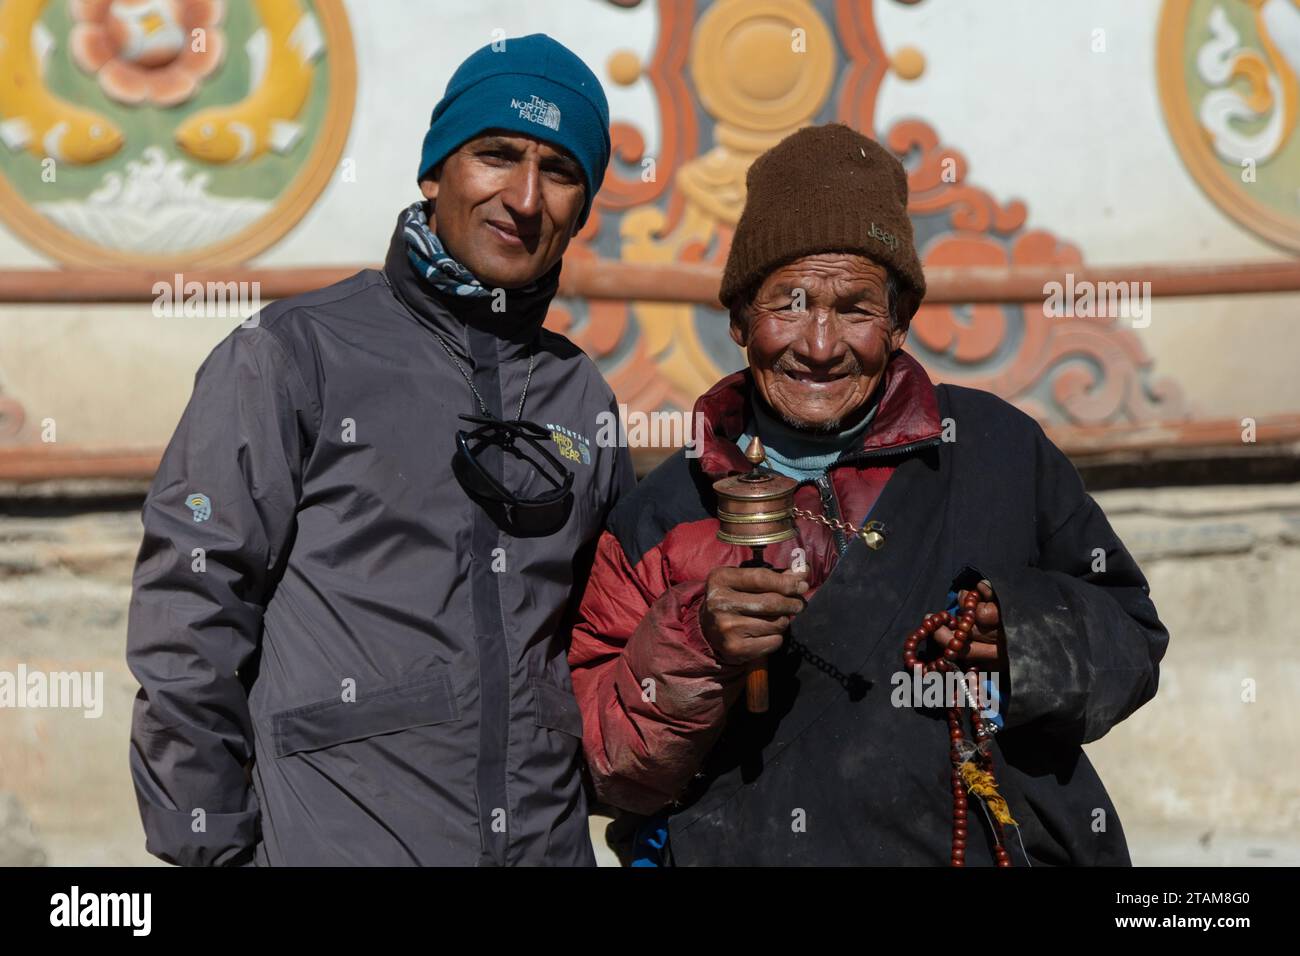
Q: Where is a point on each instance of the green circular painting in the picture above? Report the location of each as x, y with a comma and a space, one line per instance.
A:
168, 132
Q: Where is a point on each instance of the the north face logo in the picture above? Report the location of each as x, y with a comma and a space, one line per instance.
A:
537, 110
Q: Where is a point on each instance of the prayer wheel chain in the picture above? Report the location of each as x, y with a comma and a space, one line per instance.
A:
872, 532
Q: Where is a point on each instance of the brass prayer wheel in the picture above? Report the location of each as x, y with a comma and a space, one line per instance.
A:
754, 510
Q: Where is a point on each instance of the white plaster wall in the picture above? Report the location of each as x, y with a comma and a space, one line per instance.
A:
1013, 84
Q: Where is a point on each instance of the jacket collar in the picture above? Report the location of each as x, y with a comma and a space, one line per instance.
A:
908, 412
455, 318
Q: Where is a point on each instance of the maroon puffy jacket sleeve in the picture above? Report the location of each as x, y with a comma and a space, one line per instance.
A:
653, 696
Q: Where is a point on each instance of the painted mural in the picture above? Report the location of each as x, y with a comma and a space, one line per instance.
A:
1230, 86
732, 78
170, 155
158, 132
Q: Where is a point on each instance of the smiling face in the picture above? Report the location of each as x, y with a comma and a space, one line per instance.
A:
506, 206
817, 361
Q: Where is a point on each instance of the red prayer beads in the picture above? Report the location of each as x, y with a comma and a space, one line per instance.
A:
959, 749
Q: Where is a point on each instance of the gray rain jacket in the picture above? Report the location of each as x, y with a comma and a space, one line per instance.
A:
343, 658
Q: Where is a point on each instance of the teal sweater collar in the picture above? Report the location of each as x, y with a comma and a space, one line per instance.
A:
801, 455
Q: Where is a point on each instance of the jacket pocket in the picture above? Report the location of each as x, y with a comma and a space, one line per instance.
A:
555, 708
416, 702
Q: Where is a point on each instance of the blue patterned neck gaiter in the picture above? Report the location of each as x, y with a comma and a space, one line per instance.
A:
432, 262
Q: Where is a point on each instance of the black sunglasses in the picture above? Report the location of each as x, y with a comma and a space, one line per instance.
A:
526, 515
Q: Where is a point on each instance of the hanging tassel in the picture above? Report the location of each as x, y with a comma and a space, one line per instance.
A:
980, 783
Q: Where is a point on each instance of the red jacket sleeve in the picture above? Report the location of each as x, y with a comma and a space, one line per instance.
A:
653, 695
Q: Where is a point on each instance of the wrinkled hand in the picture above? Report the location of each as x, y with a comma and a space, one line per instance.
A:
746, 610
987, 639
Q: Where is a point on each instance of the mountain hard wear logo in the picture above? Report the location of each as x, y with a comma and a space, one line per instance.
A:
573, 446
201, 505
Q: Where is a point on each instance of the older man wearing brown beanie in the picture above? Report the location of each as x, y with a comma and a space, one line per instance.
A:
955, 617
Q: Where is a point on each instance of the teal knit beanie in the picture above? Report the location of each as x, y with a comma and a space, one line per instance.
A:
531, 85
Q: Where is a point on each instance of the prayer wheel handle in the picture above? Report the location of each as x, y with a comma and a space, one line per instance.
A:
754, 510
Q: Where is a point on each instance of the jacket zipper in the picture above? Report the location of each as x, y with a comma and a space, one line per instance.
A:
886, 452
831, 510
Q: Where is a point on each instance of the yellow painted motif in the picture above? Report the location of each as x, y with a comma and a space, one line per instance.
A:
282, 53
31, 117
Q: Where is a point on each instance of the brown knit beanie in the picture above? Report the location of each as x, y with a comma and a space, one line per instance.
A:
823, 189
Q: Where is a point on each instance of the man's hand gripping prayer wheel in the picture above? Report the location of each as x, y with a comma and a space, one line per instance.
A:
747, 609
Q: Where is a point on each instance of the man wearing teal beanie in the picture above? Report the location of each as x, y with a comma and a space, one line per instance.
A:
530, 85
526, 101
397, 487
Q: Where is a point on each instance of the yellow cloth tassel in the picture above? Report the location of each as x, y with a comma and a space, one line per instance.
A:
980, 783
